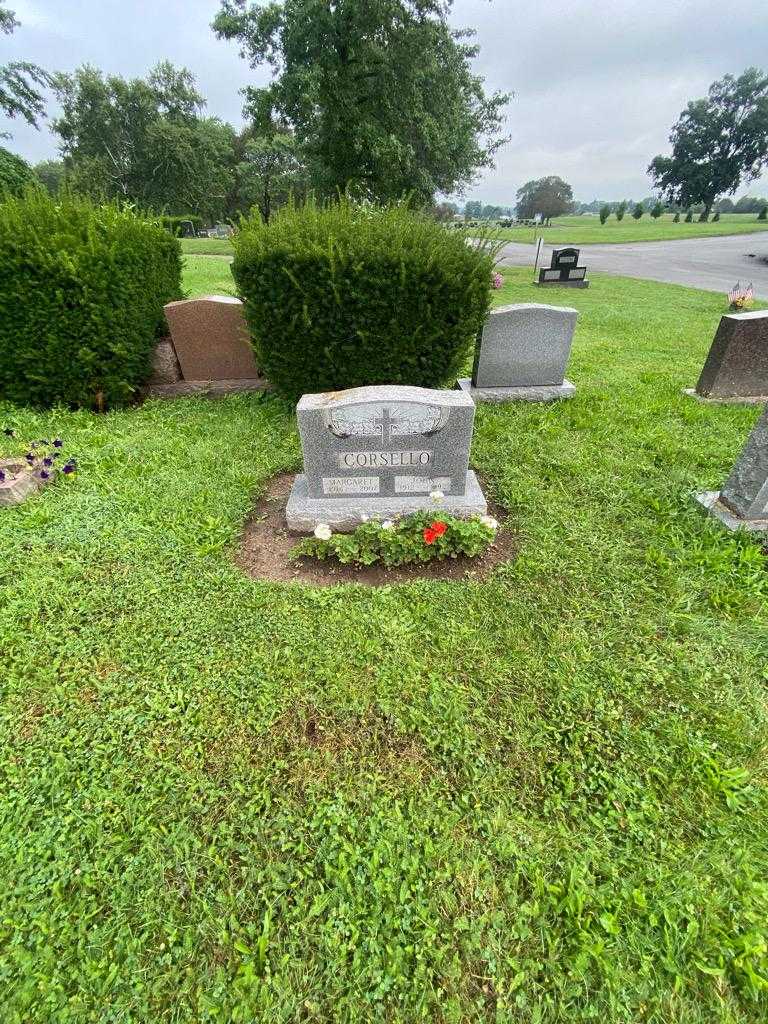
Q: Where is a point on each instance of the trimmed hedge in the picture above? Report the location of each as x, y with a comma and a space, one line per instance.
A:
347, 295
82, 290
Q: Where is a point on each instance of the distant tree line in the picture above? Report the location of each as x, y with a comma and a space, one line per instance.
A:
718, 142
474, 210
378, 100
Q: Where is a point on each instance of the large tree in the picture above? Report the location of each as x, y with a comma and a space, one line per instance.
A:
15, 174
717, 142
51, 174
548, 197
270, 173
20, 82
145, 140
380, 95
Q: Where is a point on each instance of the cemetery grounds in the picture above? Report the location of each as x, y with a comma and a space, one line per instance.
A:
587, 230
579, 230
538, 798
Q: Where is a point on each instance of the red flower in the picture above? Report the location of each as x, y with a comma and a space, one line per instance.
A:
429, 536
438, 528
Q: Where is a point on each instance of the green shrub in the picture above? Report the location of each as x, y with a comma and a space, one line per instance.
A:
763, 215
716, 217
605, 213
348, 294
676, 218
689, 217
658, 210
82, 290
15, 174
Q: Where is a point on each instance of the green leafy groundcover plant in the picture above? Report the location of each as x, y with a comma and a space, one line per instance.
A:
422, 537
350, 294
82, 290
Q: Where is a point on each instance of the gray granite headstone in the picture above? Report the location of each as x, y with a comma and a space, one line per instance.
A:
522, 354
381, 452
737, 363
743, 501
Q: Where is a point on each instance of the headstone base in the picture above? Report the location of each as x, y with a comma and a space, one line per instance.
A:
727, 400
206, 388
531, 393
562, 284
303, 513
710, 500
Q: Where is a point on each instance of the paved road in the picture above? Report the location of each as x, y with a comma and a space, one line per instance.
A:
714, 264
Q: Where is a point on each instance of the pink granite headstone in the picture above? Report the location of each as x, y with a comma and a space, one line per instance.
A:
211, 339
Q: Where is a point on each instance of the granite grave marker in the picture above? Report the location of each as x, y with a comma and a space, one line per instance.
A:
522, 354
211, 338
209, 351
736, 368
381, 452
743, 501
564, 270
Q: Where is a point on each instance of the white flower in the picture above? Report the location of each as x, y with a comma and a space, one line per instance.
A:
490, 522
323, 531
387, 525
436, 495
364, 517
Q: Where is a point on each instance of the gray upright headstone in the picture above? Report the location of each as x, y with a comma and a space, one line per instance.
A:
522, 355
743, 501
382, 452
737, 364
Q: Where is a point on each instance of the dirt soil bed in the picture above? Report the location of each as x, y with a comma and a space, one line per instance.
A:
266, 543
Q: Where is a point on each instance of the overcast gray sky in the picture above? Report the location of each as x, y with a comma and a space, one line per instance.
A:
597, 83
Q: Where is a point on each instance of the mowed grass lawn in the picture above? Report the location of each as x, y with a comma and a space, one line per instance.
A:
208, 275
541, 798
206, 246
587, 230
582, 230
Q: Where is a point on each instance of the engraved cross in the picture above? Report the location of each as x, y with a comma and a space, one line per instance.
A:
385, 422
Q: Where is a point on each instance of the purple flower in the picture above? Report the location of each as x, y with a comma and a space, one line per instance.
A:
58, 443
47, 461
68, 468
2, 476
30, 458
44, 474
8, 432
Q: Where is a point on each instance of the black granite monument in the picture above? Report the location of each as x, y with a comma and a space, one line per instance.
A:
564, 271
